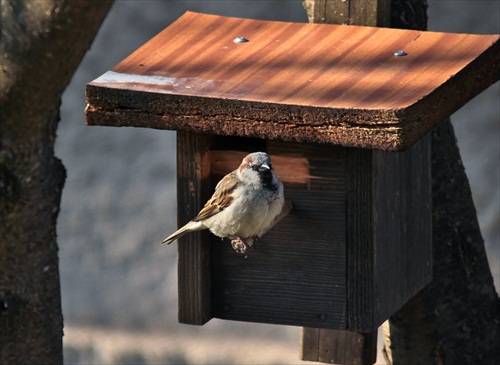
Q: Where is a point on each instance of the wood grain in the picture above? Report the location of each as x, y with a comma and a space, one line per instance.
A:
338, 347
289, 169
298, 82
359, 226
295, 274
193, 267
389, 245
402, 217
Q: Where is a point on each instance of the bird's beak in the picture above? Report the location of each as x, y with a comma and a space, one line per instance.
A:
265, 166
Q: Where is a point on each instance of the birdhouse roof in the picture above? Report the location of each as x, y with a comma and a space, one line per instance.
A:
354, 86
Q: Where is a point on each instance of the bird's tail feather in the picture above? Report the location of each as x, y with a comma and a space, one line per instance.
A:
189, 227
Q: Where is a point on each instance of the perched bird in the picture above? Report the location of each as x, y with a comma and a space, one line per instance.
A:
244, 206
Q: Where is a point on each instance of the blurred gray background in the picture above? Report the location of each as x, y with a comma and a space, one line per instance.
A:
119, 285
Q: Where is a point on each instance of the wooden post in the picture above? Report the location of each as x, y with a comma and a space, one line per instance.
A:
373, 13
338, 347
193, 170
323, 345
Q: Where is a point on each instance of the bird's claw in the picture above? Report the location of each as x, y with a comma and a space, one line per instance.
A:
239, 246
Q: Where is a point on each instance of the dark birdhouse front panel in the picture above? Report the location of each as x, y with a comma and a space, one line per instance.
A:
296, 274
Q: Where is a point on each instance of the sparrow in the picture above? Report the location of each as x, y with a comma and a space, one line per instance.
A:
245, 205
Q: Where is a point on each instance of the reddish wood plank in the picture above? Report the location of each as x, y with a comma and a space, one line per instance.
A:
290, 169
303, 82
321, 65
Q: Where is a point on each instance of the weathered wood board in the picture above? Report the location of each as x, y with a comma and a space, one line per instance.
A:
296, 273
296, 82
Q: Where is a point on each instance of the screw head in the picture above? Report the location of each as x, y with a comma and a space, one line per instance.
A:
240, 40
400, 53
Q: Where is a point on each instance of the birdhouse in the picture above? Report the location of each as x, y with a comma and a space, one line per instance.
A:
344, 113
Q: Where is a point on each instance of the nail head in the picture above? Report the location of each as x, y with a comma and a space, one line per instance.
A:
240, 40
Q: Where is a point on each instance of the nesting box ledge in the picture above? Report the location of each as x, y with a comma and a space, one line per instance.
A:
298, 82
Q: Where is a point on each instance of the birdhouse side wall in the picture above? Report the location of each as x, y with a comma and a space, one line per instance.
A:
389, 243
402, 212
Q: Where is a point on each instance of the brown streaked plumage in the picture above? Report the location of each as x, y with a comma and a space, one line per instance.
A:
221, 197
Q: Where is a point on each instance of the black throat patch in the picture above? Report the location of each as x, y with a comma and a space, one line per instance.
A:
266, 178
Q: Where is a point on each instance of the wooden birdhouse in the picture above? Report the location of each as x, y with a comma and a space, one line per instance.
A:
343, 111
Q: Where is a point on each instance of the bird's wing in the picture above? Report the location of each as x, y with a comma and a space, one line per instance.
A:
221, 198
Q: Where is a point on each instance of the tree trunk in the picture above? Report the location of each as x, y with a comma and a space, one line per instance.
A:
456, 319
42, 44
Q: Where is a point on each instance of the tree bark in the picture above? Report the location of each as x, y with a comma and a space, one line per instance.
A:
455, 319
43, 43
